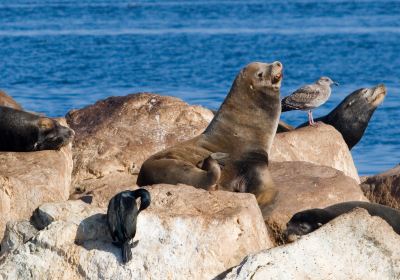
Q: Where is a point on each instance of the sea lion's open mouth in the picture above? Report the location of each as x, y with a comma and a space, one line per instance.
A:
276, 78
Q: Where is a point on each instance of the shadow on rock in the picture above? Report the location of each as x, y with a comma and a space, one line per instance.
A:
93, 234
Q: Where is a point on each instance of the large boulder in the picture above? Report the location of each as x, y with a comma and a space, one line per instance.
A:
186, 233
8, 101
384, 188
353, 246
321, 145
117, 134
27, 180
304, 185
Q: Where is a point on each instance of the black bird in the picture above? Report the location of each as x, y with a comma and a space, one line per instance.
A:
122, 215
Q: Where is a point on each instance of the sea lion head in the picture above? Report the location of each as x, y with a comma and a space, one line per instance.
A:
326, 81
352, 115
262, 76
364, 99
305, 222
52, 135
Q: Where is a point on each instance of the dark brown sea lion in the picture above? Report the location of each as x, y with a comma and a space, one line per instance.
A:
122, 215
25, 132
8, 101
243, 128
352, 115
310, 220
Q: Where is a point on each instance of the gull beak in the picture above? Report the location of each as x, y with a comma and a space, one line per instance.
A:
336, 83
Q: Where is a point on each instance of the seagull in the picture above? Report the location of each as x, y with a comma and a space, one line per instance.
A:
309, 97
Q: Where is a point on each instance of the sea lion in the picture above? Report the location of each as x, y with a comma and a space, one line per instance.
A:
352, 115
8, 101
246, 122
308, 221
25, 132
122, 215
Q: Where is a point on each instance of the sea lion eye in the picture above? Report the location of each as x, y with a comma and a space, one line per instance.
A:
260, 75
46, 124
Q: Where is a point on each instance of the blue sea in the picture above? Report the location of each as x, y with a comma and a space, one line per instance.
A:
58, 55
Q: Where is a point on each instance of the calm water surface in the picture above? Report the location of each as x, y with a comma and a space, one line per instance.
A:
59, 55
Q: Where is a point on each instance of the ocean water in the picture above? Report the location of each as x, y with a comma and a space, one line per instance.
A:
59, 55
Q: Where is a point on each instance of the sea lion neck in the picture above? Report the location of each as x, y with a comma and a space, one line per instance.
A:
244, 119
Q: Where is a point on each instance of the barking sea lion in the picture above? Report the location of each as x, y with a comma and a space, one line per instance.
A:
25, 132
241, 131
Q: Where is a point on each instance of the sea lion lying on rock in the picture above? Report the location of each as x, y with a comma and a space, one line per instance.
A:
25, 132
352, 115
241, 131
310, 220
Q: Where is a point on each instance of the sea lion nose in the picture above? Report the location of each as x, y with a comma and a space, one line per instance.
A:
278, 64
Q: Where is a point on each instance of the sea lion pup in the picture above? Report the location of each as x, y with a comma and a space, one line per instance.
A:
246, 121
8, 101
352, 115
25, 132
310, 220
122, 215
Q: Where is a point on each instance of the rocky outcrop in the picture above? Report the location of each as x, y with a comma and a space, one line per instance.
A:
321, 145
384, 188
353, 246
16, 234
8, 101
186, 233
27, 180
117, 134
304, 185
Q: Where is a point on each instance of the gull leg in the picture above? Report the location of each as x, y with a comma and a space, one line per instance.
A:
310, 118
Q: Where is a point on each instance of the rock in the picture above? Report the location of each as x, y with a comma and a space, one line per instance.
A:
27, 180
103, 189
117, 134
384, 188
16, 234
8, 101
321, 145
353, 246
304, 185
186, 233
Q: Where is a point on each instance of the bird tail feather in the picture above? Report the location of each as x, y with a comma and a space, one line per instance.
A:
286, 108
126, 252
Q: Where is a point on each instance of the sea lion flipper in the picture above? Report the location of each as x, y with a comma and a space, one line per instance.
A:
221, 158
174, 171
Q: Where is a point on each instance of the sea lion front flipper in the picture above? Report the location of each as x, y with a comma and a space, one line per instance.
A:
175, 171
221, 158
